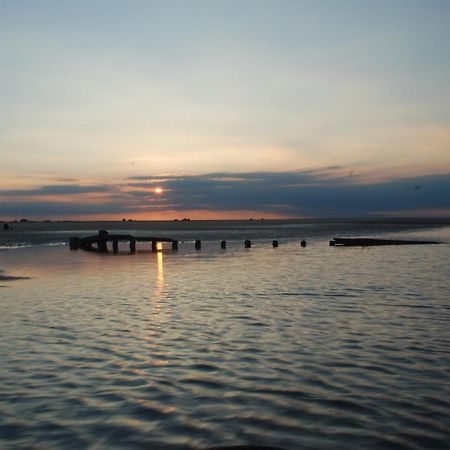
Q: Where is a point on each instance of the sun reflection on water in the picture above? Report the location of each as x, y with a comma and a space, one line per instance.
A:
159, 285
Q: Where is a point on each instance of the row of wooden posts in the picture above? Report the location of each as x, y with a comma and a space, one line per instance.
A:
197, 245
102, 244
101, 241
103, 237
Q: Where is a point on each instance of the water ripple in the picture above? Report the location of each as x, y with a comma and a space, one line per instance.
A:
319, 349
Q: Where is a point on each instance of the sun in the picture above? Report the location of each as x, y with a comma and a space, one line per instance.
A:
158, 190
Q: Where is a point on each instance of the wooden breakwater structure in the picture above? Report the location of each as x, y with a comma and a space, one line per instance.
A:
99, 242
369, 242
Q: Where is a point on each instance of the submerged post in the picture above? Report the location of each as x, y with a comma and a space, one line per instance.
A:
102, 245
74, 243
154, 246
303, 243
223, 244
115, 246
198, 244
274, 244
247, 243
133, 245
102, 241
174, 244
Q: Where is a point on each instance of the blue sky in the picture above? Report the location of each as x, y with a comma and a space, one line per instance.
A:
96, 93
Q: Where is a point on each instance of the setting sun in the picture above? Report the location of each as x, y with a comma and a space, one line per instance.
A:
158, 190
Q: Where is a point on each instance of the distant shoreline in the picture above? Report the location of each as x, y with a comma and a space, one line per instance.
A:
389, 220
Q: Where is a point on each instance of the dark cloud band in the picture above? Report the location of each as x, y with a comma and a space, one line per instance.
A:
328, 192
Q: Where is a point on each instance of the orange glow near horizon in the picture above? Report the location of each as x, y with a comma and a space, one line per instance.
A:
198, 215
172, 215
158, 190
219, 215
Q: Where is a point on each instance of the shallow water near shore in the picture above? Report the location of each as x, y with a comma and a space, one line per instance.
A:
300, 348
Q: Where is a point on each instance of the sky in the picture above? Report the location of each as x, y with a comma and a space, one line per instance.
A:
224, 109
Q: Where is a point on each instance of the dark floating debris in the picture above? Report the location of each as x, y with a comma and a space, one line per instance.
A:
367, 242
10, 277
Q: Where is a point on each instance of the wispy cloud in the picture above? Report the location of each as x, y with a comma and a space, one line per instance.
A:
58, 189
42, 209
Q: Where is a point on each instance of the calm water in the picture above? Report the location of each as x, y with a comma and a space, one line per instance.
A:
301, 348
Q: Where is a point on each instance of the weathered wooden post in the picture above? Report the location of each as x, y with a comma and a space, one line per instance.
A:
74, 243
198, 244
154, 246
247, 243
102, 245
132, 245
115, 246
223, 244
274, 244
102, 241
303, 243
174, 244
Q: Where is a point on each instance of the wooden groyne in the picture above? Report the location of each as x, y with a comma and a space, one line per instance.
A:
99, 242
367, 242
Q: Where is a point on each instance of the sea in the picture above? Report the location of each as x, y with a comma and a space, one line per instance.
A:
314, 347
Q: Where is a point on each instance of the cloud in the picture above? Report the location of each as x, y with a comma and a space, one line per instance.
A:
58, 189
318, 193
227, 179
326, 192
59, 209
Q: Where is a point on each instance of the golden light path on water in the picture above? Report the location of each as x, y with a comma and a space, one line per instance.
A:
159, 292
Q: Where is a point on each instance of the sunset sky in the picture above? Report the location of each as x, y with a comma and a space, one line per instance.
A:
224, 109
